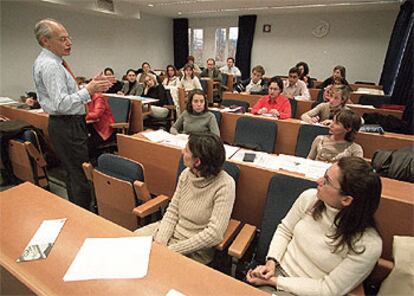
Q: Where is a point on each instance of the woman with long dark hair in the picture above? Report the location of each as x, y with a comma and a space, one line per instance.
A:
328, 243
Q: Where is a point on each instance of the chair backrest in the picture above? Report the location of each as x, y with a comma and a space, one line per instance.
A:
224, 78
115, 194
26, 158
307, 133
374, 100
218, 116
230, 168
282, 192
120, 109
232, 102
169, 97
293, 107
204, 84
257, 134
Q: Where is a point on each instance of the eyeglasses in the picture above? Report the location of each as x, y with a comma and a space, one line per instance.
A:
64, 39
327, 182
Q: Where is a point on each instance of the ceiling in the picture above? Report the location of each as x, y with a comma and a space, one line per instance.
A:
219, 8
213, 8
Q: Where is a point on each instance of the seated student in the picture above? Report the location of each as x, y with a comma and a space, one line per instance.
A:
189, 81
294, 87
304, 74
171, 78
338, 77
191, 61
325, 112
100, 113
117, 86
340, 141
172, 82
145, 69
156, 91
199, 212
196, 118
31, 100
131, 87
230, 68
211, 71
274, 104
254, 85
328, 243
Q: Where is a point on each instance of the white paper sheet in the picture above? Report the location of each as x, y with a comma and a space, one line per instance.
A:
111, 258
173, 292
178, 141
157, 136
230, 150
42, 241
133, 98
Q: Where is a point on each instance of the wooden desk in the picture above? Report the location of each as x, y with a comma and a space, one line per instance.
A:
161, 161
24, 207
288, 130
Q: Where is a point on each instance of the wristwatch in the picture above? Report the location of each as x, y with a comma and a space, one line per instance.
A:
274, 260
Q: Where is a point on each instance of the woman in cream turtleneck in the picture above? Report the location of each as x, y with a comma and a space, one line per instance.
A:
328, 242
199, 212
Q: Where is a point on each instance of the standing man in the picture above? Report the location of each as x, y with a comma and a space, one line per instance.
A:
60, 97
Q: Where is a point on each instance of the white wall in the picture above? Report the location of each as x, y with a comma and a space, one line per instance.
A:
98, 41
357, 39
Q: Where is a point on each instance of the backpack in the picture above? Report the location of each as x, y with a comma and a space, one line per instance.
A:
397, 164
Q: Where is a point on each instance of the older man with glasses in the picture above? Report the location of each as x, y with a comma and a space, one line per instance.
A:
60, 97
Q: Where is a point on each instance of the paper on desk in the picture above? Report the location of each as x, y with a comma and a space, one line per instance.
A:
361, 106
178, 141
230, 150
157, 136
36, 110
42, 242
6, 101
173, 292
111, 258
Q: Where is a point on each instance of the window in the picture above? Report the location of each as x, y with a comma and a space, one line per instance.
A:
225, 46
196, 44
219, 43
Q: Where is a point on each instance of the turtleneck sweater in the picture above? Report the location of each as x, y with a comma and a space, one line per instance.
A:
198, 215
304, 251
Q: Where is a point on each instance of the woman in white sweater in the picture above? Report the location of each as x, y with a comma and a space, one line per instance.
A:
328, 242
340, 141
199, 212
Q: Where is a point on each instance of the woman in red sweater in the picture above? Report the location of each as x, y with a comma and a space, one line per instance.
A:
101, 116
274, 104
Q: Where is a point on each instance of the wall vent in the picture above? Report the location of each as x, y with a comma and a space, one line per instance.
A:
105, 5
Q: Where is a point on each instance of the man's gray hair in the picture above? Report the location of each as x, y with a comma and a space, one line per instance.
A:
44, 29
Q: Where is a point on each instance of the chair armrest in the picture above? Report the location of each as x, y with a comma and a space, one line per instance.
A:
141, 190
120, 125
151, 206
357, 291
381, 270
35, 154
169, 107
230, 234
87, 169
242, 241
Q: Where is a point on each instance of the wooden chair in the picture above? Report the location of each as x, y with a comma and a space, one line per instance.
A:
27, 159
119, 187
121, 110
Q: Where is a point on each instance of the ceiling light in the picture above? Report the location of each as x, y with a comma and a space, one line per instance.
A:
150, 5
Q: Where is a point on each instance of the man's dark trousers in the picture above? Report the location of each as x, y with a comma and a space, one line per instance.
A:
69, 137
